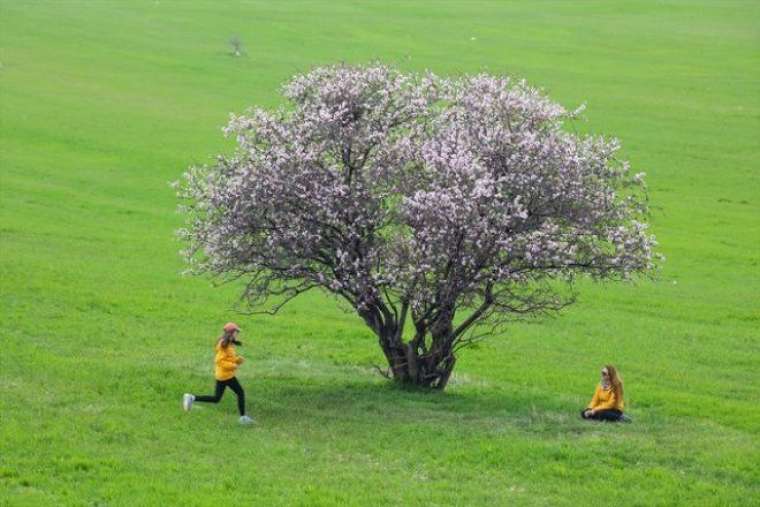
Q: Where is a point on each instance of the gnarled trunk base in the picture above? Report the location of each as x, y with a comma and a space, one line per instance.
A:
431, 370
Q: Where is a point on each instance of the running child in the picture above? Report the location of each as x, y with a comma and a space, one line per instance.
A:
226, 362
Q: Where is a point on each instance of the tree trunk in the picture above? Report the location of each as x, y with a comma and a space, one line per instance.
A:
430, 370
409, 364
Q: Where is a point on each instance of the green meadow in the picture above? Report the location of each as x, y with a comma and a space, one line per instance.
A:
104, 103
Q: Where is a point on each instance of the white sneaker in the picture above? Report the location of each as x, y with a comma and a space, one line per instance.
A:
187, 401
244, 419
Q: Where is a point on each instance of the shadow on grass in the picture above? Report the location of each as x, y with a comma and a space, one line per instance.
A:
293, 400
296, 395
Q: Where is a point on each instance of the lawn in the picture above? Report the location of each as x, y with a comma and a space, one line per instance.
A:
103, 103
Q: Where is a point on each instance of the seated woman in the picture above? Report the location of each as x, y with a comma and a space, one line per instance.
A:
607, 403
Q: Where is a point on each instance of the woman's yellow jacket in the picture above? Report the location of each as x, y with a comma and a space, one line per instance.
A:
226, 362
605, 399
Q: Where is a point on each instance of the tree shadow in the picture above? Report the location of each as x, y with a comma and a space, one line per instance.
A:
292, 401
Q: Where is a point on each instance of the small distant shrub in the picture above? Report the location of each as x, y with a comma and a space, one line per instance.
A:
236, 46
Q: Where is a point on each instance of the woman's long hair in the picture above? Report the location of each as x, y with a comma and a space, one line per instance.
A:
227, 338
615, 381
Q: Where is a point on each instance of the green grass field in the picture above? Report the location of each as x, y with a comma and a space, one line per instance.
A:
102, 103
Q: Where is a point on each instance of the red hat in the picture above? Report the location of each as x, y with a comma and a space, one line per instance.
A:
231, 326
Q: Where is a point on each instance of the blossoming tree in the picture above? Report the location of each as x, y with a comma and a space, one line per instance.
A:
429, 205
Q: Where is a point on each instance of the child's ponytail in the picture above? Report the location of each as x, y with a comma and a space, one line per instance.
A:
227, 338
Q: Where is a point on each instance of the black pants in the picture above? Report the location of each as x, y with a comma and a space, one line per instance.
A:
219, 391
603, 415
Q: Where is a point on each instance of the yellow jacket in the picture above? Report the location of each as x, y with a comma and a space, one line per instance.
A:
226, 361
605, 399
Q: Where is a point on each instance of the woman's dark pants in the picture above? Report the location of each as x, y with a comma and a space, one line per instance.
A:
603, 415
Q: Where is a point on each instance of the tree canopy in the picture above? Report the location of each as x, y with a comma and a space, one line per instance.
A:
429, 204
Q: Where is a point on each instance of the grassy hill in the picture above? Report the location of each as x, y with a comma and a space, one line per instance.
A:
103, 103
